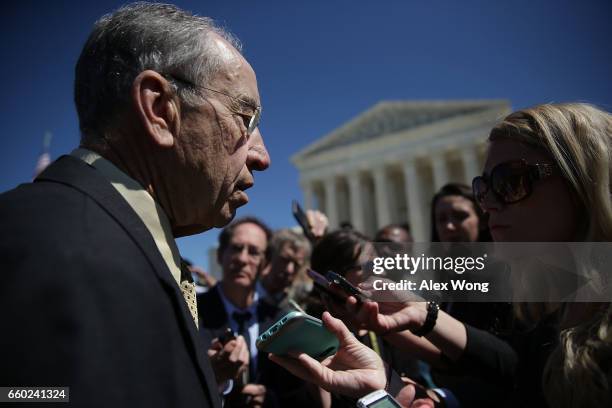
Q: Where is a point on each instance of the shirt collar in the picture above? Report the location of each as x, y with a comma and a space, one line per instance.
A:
143, 204
230, 308
264, 294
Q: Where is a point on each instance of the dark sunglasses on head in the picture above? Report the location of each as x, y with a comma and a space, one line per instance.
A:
511, 181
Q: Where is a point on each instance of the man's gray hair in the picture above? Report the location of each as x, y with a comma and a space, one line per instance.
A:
289, 237
137, 37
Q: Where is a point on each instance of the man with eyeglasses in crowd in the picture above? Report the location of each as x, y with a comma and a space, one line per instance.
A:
279, 285
93, 295
235, 304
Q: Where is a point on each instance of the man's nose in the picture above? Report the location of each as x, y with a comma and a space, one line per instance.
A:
258, 157
243, 255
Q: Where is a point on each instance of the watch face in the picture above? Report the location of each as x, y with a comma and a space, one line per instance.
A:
378, 399
385, 402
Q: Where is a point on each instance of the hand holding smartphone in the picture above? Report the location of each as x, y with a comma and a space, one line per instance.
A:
345, 286
336, 287
302, 219
322, 284
298, 332
227, 336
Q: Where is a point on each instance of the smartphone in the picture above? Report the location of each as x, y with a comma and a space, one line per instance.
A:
346, 286
378, 399
302, 219
297, 331
323, 285
227, 336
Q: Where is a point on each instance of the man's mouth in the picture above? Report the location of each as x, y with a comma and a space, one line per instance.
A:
245, 184
241, 197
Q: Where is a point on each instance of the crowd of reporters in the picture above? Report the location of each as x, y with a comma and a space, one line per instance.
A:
474, 354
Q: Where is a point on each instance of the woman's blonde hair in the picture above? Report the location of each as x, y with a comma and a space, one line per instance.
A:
578, 137
579, 372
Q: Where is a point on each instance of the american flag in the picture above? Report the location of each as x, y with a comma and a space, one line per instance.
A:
45, 158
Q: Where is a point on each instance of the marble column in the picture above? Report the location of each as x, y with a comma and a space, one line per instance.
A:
381, 196
470, 163
440, 170
331, 204
355, 197
416, 215
307, 191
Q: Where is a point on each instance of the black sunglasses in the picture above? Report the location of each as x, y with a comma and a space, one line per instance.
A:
511, 181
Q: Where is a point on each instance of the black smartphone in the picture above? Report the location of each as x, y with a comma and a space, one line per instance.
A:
346, 286
323, 285
302, 219
227, 336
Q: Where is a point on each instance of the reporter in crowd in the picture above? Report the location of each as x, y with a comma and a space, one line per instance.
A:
282, 281
456, 218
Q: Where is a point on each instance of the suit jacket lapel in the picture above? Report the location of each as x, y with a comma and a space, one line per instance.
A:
267, 315
211, 306
80, 175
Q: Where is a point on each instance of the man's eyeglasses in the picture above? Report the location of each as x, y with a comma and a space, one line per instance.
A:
253, 252
250, 121
510, 181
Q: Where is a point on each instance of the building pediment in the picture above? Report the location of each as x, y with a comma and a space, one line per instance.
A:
392, 117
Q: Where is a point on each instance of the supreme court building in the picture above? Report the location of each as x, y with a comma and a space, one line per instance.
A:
385, 165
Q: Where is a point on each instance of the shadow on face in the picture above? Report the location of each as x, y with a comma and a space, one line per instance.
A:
244, 256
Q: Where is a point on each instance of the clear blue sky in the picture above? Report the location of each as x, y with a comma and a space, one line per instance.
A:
320, 63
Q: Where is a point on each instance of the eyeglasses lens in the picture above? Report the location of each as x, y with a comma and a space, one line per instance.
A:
254, 121
510, 182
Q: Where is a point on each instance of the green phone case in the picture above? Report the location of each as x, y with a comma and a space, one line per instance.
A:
298, 331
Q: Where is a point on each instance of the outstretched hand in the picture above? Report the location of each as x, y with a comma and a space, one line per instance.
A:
355, 370
396, 312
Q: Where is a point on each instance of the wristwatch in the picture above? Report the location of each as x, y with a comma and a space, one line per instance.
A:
378, 399
430, 320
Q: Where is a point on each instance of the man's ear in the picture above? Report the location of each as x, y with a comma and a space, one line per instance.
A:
153, 101
220, 256
264, 267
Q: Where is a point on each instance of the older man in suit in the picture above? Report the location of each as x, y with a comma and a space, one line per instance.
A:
92, 293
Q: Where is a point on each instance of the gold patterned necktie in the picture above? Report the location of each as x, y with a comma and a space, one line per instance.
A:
189, 292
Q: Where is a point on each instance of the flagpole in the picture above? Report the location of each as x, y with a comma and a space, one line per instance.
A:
47, 141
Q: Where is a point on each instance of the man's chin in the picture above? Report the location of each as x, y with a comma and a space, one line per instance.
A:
225, 216
228, 211
222, 218
243, 281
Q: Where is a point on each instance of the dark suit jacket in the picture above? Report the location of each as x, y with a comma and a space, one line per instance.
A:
284, 389
86, 300
214, 321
